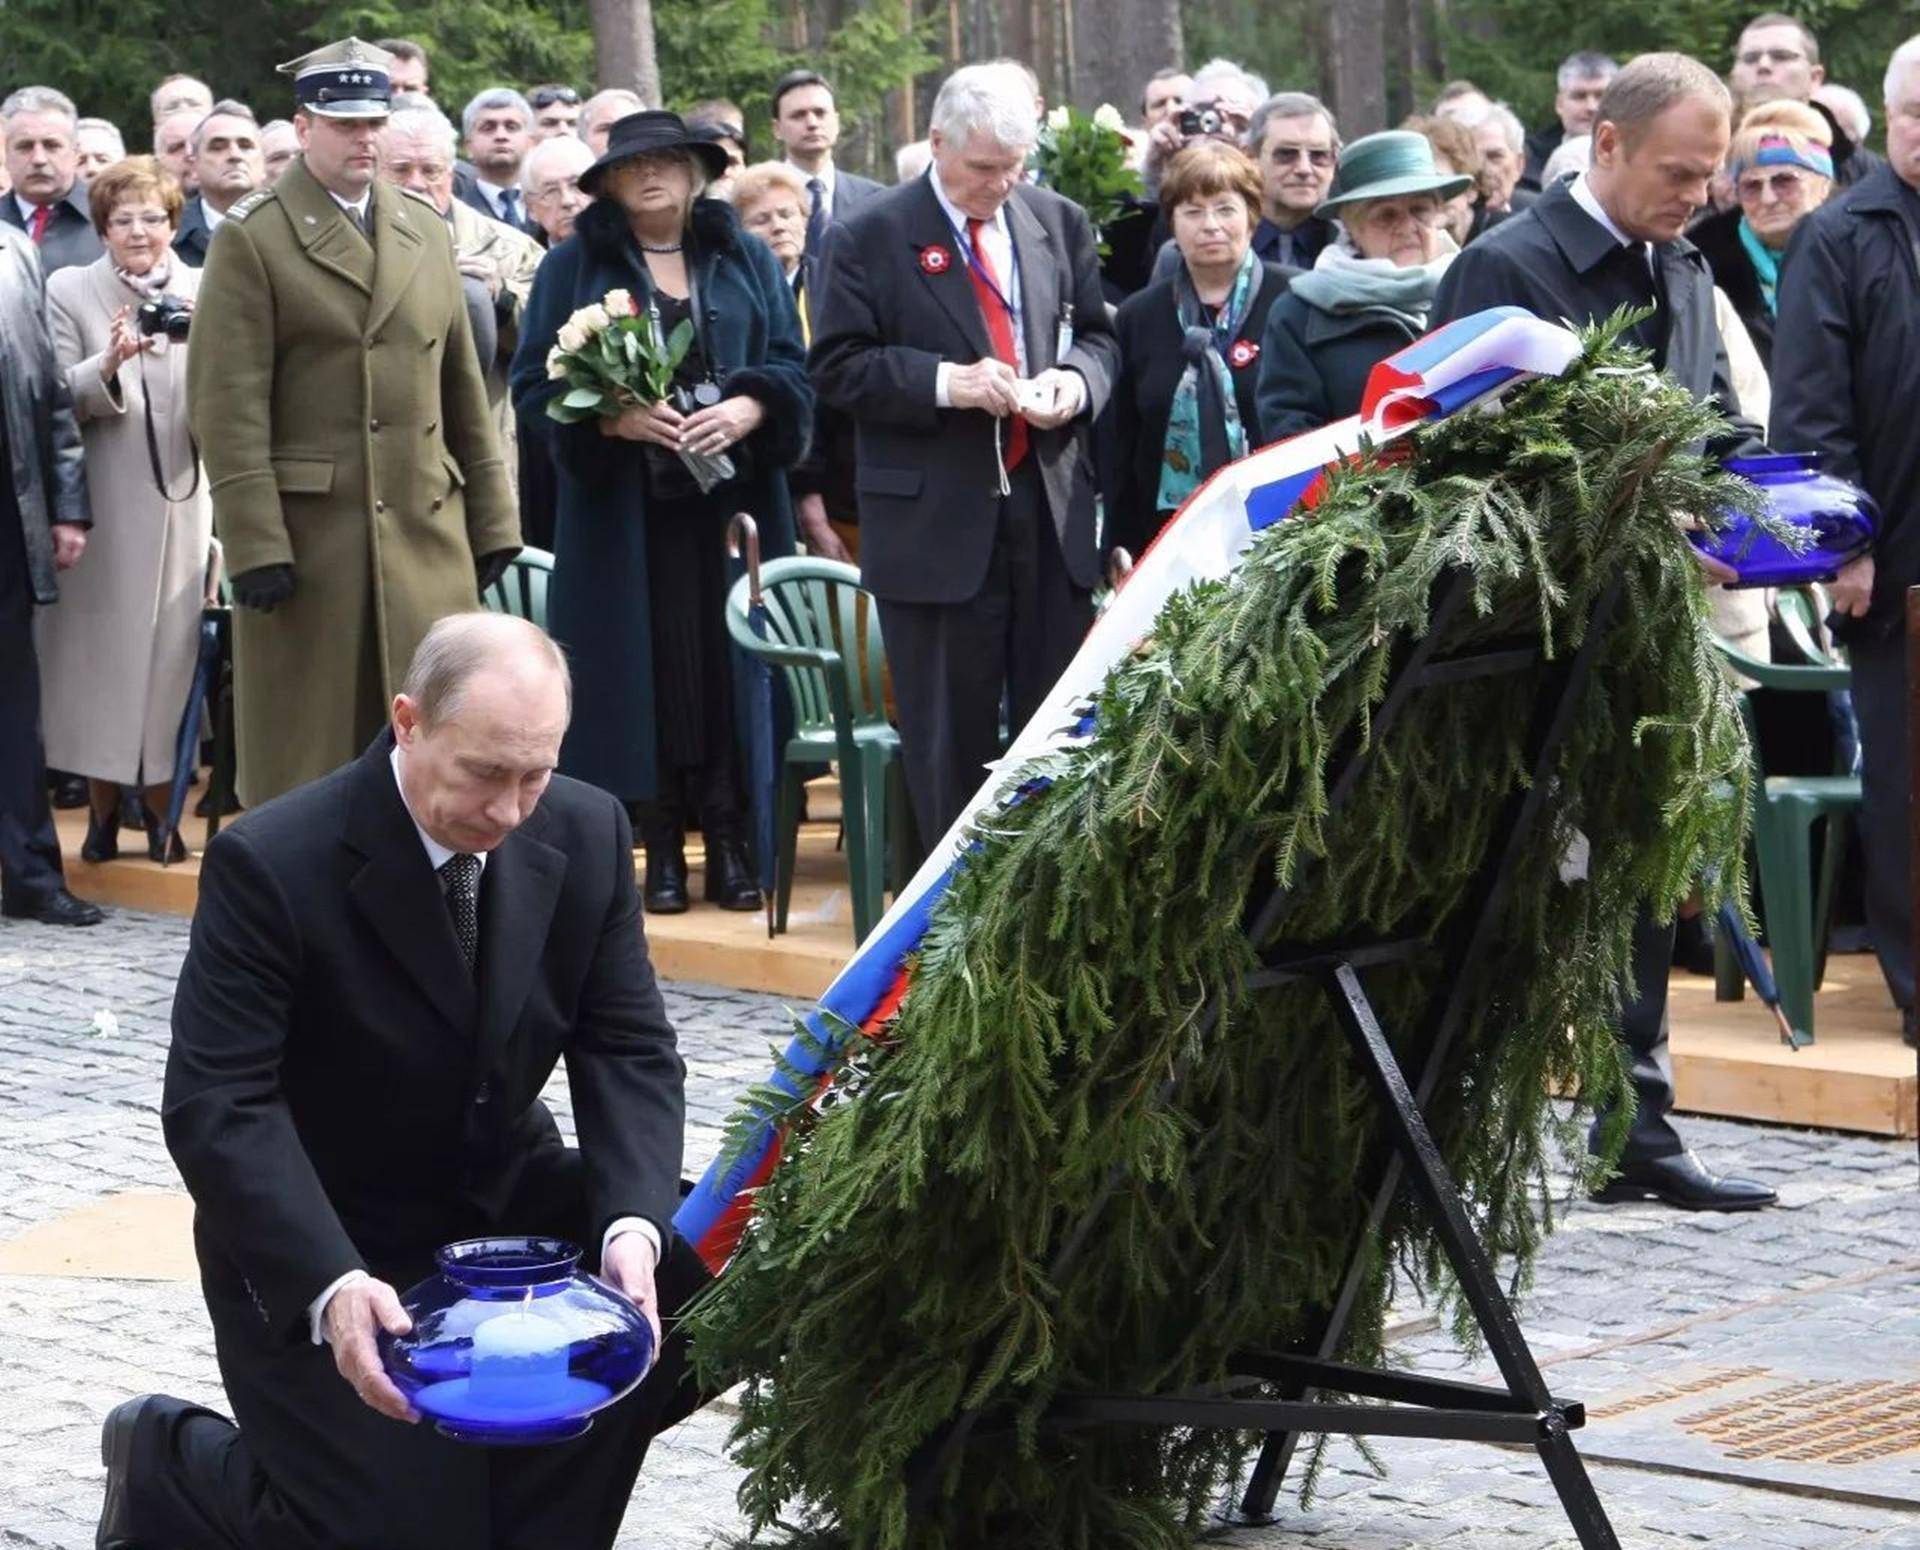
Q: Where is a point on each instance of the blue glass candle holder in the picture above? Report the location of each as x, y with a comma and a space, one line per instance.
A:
512, 1344
1838, 521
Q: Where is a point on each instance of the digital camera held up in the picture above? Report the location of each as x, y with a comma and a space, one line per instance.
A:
1200, 121
167, 315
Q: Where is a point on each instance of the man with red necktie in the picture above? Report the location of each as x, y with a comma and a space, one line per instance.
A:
48, 202
959, 321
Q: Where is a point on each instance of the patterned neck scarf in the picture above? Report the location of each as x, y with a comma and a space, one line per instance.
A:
1204, 432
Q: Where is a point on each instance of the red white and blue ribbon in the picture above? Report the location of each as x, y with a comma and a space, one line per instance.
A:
1467, 363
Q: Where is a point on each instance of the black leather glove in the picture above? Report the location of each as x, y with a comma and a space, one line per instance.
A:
489, 568
265, 587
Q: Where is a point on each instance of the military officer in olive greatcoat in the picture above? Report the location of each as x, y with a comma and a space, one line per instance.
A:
357, 479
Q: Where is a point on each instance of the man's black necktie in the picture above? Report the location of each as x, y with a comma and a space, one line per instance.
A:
510, 206
461, 874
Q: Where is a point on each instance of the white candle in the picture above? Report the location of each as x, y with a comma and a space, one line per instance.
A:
516, 1357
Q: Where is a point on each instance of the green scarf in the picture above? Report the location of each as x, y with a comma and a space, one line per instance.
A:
1766, 266
1204, 437
1343, 283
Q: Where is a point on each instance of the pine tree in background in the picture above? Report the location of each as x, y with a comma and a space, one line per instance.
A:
897, 1268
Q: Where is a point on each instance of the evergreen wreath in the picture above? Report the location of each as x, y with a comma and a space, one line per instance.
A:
895, 1271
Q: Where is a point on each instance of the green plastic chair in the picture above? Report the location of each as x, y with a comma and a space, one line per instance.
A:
522, 587
1786, 808
813, 620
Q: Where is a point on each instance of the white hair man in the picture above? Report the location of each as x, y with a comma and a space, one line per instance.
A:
99, 144
229, 164
1220, 103
1501, 140
960, 323
1577, 88
279, 144
173, 145
498, 127
1845, 376
496, 261
551, 178
600, 112
48, 201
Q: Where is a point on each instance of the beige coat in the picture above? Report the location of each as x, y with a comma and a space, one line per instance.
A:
117, 651
347, 433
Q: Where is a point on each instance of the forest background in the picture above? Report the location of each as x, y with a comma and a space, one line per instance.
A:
1372, 60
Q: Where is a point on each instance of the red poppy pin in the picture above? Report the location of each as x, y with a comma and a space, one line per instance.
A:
1243, 354
935, 260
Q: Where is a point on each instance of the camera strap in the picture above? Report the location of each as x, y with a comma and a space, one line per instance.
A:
153, 443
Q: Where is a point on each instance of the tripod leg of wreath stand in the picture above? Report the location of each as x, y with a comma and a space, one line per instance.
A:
1427, 1173
1553, 717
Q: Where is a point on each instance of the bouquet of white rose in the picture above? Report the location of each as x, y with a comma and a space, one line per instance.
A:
1085, 158
613, 354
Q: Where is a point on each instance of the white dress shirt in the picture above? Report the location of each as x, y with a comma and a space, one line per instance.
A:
829, 181
996, 246
438, 856
1586, 199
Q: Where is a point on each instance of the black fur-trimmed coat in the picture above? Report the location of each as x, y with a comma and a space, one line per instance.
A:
597, 605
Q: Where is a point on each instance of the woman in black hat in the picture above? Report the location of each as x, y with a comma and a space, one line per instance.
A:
640, 566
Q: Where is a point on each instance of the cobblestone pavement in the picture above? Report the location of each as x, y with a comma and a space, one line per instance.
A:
1631, 1290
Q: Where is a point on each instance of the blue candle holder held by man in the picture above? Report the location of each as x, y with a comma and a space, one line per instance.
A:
512, 1344
1837, 519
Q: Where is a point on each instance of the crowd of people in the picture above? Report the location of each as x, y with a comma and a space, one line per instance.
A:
319, 348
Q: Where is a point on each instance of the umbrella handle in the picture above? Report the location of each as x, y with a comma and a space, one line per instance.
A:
743, 538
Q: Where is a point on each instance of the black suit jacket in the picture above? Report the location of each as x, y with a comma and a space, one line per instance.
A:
70, 237
1560, 264
883, 320
342, 1092
1151, 364
191, 236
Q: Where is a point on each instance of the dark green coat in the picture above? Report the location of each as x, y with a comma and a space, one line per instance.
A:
1314, 365
344, 423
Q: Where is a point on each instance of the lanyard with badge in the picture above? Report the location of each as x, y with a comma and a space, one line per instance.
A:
1063, 332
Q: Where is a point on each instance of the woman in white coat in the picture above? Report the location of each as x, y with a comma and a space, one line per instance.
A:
117, 652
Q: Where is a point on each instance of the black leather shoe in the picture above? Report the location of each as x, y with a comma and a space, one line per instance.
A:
730, 881
103, 838
1682, 1180
666, 887
116, 1452
68, 791
58, 908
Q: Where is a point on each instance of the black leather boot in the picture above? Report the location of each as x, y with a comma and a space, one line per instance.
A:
666, 886
730, 880
103, 837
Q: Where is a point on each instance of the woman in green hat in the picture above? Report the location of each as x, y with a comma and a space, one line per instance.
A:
1370, 291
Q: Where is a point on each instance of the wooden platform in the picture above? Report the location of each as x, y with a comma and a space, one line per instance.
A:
1727, 1056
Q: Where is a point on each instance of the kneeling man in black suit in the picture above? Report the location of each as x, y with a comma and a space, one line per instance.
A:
386, 965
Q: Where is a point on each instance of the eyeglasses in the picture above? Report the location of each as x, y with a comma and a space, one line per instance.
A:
1773, 56
1783, 184
1386, 217
547, 96
148, 221
1314, 155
